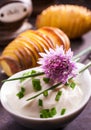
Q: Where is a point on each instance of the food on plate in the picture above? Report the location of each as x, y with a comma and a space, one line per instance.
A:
23, 52
74, 20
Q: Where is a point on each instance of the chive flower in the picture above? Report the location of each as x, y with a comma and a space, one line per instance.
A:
58, 64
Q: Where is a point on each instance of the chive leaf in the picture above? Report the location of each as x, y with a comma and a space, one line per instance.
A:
57, 98
63, 111
44, 113
20, 94
72, 85
46, 80
33, 72
53, 111
45, 93
26, 74
36, 84
47, 113
40, 103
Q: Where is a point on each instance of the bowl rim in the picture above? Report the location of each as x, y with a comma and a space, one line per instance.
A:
4, 103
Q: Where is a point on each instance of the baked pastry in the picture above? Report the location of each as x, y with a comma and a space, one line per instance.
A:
74, 20
23, 52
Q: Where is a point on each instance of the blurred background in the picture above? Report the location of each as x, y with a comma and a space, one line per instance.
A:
13, 21
39, 5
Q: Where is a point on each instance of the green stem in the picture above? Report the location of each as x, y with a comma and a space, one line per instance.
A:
85, 67
75, 58
23, 77
82, 53
52, 87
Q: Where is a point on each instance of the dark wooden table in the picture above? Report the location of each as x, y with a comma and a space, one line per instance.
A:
82, 122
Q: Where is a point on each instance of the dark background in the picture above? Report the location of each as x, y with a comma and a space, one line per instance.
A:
39, 5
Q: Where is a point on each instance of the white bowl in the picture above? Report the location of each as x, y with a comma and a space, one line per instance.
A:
49, 123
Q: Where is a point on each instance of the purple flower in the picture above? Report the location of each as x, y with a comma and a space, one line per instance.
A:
58, 65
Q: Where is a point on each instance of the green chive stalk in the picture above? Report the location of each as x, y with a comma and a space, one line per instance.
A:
85, 67
23, 77
76, 58
52, 87
55, 86
41, 73
82, 53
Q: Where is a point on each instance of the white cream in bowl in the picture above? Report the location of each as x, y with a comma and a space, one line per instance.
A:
28, 112
70, 99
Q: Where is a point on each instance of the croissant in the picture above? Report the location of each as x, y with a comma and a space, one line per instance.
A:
23, 52
74, 20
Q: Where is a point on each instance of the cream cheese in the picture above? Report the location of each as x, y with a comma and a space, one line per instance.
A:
70, 99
